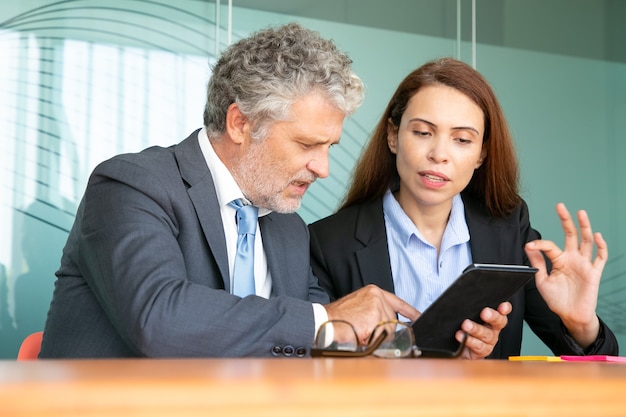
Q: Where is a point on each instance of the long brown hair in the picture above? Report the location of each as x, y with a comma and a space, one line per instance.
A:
495, 182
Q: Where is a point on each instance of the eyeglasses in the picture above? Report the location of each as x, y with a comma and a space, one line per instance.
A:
390, 339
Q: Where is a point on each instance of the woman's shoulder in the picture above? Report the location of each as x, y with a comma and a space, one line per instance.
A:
476, 208
350, 215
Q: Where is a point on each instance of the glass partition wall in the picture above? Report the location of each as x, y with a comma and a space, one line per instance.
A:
84, 80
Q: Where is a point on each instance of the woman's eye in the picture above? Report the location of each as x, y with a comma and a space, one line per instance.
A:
420, 133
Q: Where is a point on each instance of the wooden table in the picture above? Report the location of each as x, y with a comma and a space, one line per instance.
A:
311, 387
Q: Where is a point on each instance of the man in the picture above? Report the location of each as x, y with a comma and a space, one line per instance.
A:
147, 269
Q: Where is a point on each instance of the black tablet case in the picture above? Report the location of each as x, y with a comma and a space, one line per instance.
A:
479, 286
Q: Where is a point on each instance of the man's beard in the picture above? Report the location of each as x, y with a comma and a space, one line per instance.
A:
261, 182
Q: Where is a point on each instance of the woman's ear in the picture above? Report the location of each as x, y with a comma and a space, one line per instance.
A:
237, 124
392, 136
483, 155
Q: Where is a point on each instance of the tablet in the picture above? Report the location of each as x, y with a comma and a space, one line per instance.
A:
479, 286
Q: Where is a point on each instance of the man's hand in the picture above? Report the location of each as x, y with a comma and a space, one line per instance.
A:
368, 306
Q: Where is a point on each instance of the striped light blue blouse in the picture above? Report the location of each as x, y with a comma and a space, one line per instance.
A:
420, 275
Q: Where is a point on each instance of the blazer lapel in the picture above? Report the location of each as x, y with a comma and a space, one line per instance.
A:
275, 251
490, 239
373, 258
195, 172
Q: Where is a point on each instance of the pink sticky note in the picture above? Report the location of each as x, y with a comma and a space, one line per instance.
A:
594, 358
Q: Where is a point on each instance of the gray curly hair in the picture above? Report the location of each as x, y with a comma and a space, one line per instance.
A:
268, 71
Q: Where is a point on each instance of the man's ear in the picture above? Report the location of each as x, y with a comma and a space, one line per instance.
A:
237, 124
392, 137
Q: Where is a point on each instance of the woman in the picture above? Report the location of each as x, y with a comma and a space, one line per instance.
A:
436, 189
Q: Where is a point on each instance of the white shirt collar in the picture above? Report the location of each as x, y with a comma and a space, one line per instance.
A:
456, 231
226, 187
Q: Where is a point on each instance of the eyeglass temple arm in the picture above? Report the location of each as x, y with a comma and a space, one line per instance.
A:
369, 349
440, 353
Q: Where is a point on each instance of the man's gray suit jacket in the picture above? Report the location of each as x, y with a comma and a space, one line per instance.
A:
145, 270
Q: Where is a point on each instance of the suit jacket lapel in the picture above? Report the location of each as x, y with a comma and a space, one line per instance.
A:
373, 258
490, 239
276, 250
195, 172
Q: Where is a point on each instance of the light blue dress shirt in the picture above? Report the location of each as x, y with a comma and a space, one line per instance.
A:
420, 275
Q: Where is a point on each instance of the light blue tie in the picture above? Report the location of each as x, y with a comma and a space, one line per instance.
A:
243, 270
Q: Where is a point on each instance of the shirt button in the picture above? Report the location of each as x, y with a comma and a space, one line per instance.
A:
300, 351
288, 350
277, 350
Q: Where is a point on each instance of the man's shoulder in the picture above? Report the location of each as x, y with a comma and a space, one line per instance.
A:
154, 158
150, 161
